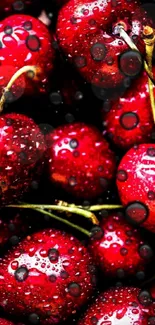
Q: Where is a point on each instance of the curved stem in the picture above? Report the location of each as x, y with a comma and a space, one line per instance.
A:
71, 209
68, 223
149, 40
131, 44
13, 79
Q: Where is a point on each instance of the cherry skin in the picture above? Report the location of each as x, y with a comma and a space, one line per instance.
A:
22, 146
136, 185
121, 306
129, 120
26, 41
87, 33
80, 160
119, 250
49, 274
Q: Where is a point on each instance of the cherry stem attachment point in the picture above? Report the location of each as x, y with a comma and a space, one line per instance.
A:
149, 40
92, 208
71, 209
25, 69
131, 44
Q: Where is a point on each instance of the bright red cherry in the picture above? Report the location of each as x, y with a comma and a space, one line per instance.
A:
25, 41
121, 306
136, 184
80, 160
21, 147
119, 250
47, 277
88, 34
129, 120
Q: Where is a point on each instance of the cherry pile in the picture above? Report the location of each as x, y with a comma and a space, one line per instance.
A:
77, 162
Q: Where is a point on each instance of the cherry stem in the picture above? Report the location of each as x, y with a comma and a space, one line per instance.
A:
68, 223
149, 40
28, 68
131, 44
70, 209
92, 207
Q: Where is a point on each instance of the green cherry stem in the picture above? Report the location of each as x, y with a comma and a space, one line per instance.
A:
71, 209
92, 207
68, 223
149, 40
25, 69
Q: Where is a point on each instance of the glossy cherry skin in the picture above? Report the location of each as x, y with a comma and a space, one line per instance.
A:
129, 120
120, 306
22, 146
50, 274
120, 250
136, 184
80, 160
85, 30
24, 41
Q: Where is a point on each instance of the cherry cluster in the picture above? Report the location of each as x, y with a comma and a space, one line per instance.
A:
77, 162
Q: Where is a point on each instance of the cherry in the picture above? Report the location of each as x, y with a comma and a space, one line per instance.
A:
21, 147
80, 160
26, 41
48, 276
119, 249
119, 306
88, 33
136, 185
129, 120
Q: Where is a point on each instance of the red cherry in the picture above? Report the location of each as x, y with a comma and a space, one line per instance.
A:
25, 41
136, 184
80, 160
121, 306
87, 33
21, 147
49, 275
118, 248
129, 120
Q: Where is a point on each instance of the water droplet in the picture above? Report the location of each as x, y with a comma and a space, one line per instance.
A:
74, 289
140, 275
55, 98
151, 320
64, 275
53, 255
131, 63
129, 120
151, 195
21, 274
34, 319
122, 175
145, 298
33, 43
73, 143
18, 5
80, 61
146, 252
52, 278
97, 233
98, 51
151, 152
27, 25
94, 320
123, 251
72, 181
8, 30
136, 212
104, 182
